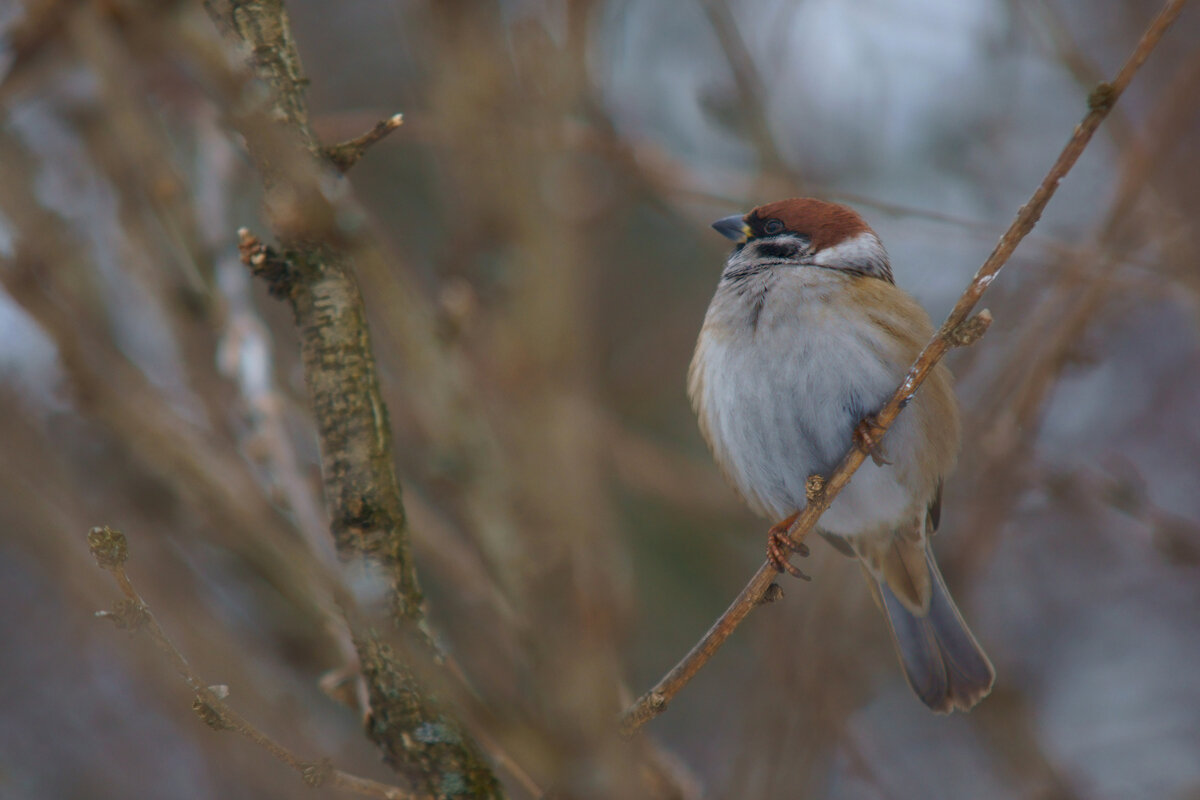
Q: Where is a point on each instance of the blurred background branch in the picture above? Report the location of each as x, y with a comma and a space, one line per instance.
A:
111, 550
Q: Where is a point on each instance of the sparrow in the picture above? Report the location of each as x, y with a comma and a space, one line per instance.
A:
806, 337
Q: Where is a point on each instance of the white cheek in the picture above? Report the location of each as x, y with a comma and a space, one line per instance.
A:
863, 250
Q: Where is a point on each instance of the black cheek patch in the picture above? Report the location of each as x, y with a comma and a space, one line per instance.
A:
782, 251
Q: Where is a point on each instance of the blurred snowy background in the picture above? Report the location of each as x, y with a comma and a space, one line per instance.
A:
536, 259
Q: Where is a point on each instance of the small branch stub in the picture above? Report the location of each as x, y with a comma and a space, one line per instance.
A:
108, 546
346, 154
210, 715
1102, 97
649, 706
970, 332
266, 263
770, 594
814, 488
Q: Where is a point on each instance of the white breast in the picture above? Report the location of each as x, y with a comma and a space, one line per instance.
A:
780, 390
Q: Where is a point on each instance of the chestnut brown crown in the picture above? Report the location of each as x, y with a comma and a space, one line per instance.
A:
826, 224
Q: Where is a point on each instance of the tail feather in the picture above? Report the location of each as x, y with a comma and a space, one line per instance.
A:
942, 661
898, 560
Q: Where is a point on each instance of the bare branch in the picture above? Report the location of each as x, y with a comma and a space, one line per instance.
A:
1100, 103
314, 271
110, 549
750, 89
346, 154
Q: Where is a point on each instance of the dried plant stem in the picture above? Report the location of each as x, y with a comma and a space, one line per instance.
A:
346, 154
110, 550
953, 332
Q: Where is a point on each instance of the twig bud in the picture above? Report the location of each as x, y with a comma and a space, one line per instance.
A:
211, 716
814, 487
108, 547
1102, 97
969, 332
264, 262
770, 595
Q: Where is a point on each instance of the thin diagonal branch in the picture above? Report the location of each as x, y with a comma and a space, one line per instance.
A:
1100, 103
750, 88
110, 549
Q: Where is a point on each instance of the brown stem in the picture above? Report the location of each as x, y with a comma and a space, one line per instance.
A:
314, 271
346, 154
110, 550
1100, 103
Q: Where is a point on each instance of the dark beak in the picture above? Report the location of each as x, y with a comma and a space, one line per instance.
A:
732, 228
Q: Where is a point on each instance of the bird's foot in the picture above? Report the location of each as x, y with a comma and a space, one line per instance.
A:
780, 548
868, 438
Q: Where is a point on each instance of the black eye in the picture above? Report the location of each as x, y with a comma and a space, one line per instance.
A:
772, 227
